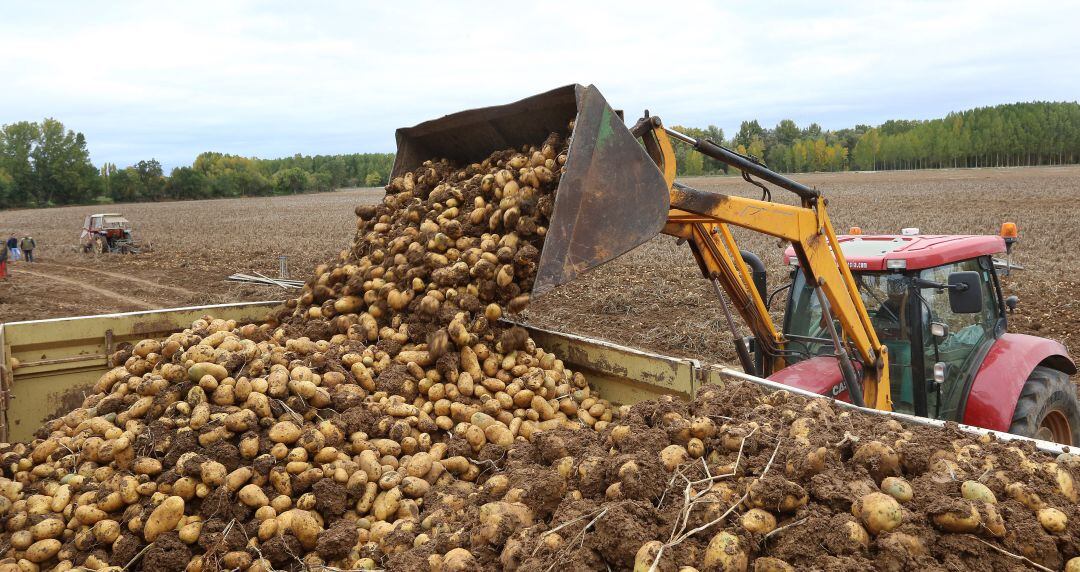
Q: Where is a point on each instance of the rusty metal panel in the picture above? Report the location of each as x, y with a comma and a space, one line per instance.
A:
470, 136
611, 198
48, 364
622, 375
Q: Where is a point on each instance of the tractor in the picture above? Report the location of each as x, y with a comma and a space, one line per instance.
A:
936, 304
108, 233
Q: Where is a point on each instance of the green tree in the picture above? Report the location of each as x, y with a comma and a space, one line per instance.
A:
291, 181
187, 183
786, 132
151, 180
747, 131
17, 141
61, 164
373, 179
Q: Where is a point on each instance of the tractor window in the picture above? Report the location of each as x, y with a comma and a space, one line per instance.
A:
965, 334
885, 298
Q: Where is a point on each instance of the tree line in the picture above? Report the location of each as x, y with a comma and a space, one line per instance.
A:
45, 164
1018, 134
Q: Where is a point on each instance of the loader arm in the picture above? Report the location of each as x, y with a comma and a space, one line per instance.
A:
611, 198
703, 220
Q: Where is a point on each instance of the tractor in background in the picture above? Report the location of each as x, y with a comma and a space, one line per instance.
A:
108, 233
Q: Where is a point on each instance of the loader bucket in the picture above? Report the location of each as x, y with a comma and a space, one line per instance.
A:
611, 198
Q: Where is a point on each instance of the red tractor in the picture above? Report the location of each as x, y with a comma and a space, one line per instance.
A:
951, 357
108, 233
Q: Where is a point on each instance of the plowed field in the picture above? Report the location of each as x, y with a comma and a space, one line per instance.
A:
651, 298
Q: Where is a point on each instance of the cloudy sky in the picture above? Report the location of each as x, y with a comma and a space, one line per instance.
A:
269, 79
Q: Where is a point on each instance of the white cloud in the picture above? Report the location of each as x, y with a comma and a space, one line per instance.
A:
172, 80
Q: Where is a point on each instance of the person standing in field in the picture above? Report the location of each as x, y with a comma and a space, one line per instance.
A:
13, 247
3, 260
27, 245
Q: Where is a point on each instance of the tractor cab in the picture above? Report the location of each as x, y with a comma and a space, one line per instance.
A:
935, 303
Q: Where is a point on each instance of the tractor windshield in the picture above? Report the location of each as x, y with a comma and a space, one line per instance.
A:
962, 335
902, 315
885, 298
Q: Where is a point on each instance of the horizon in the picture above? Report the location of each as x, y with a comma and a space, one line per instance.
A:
274, 80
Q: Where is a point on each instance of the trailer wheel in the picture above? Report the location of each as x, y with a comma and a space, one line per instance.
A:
1048, 408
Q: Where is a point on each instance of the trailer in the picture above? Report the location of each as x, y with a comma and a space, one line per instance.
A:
48, 366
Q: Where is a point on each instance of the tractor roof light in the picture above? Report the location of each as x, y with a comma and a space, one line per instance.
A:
910, 231
896, 264
1011, 233
1009, 230
855, 231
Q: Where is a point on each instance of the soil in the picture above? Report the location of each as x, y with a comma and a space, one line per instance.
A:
167, 553
336, 541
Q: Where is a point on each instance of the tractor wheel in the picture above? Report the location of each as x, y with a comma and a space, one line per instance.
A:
1048, 408
101, 246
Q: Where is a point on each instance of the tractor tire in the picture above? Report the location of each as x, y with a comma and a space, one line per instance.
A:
1048, 408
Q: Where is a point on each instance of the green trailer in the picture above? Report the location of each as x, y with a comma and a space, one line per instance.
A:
47, 366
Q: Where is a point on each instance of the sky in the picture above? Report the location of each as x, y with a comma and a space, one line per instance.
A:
270, 79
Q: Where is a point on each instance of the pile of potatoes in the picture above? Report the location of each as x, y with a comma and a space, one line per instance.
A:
453, 246
775, 482
282, 439
742, 480
231, 446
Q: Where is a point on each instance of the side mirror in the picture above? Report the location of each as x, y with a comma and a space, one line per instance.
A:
965, 292
1011, 303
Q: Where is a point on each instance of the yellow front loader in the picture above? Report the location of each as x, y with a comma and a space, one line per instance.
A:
619, 190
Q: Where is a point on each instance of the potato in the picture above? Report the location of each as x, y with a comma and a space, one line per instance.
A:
164, 518
1066, 485
758, 521
976, 491
898, 488
857, 534
993, 523
1073, 565
646, 555
458, 560
724, 553
672, 456
386, 503
879, 512
285, 432
960, 517
304, 526
1024, 495
500, 519
48, 528
89, 515
43, 550
879, 459
1053, 520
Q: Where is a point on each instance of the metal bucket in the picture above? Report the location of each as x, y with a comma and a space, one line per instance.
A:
611, 197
